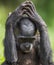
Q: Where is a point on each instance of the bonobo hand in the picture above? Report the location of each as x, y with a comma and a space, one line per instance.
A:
42, 27
29, 9
17, 14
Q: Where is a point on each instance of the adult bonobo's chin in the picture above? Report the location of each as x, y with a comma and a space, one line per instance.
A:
26, 39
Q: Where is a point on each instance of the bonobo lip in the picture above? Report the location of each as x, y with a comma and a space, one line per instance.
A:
27, 51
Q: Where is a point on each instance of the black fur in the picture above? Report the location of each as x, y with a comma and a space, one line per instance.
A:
41, 52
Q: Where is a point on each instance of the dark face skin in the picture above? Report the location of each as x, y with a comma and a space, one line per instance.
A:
26, 47
26, 44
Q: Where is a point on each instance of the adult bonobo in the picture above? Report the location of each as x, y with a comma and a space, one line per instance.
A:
26, 39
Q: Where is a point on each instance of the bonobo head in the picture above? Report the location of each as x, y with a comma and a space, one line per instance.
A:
27, 31
25, 27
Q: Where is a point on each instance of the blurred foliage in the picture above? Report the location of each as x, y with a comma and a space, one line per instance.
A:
44, 7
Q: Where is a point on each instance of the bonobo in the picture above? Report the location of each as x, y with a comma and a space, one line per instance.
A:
26, 38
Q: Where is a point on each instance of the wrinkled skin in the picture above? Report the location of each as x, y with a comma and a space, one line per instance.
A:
11, 54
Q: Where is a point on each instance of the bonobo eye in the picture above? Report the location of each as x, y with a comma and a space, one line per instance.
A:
22, 39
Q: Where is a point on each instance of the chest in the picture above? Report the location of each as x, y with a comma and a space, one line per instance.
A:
27, 59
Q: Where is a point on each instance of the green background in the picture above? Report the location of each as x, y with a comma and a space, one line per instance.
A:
44, 7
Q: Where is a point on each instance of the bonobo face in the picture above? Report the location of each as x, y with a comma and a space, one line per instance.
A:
26, 44
26, 47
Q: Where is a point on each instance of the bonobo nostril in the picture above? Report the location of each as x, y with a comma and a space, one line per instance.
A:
27, 45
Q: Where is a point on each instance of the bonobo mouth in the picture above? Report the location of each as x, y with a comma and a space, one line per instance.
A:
26, 47
26, 43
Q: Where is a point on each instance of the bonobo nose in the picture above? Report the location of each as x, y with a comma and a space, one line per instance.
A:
27, 45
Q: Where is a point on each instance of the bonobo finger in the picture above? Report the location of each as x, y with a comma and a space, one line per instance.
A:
25, 11
28, 5
28, 15
29, 11
21, 14
31, 5
25, 4
33, 18
19, 9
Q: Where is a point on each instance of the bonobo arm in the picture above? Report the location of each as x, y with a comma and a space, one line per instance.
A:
9, 41
45, 48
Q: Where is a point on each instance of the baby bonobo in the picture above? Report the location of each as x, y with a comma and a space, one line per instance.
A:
26, 39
